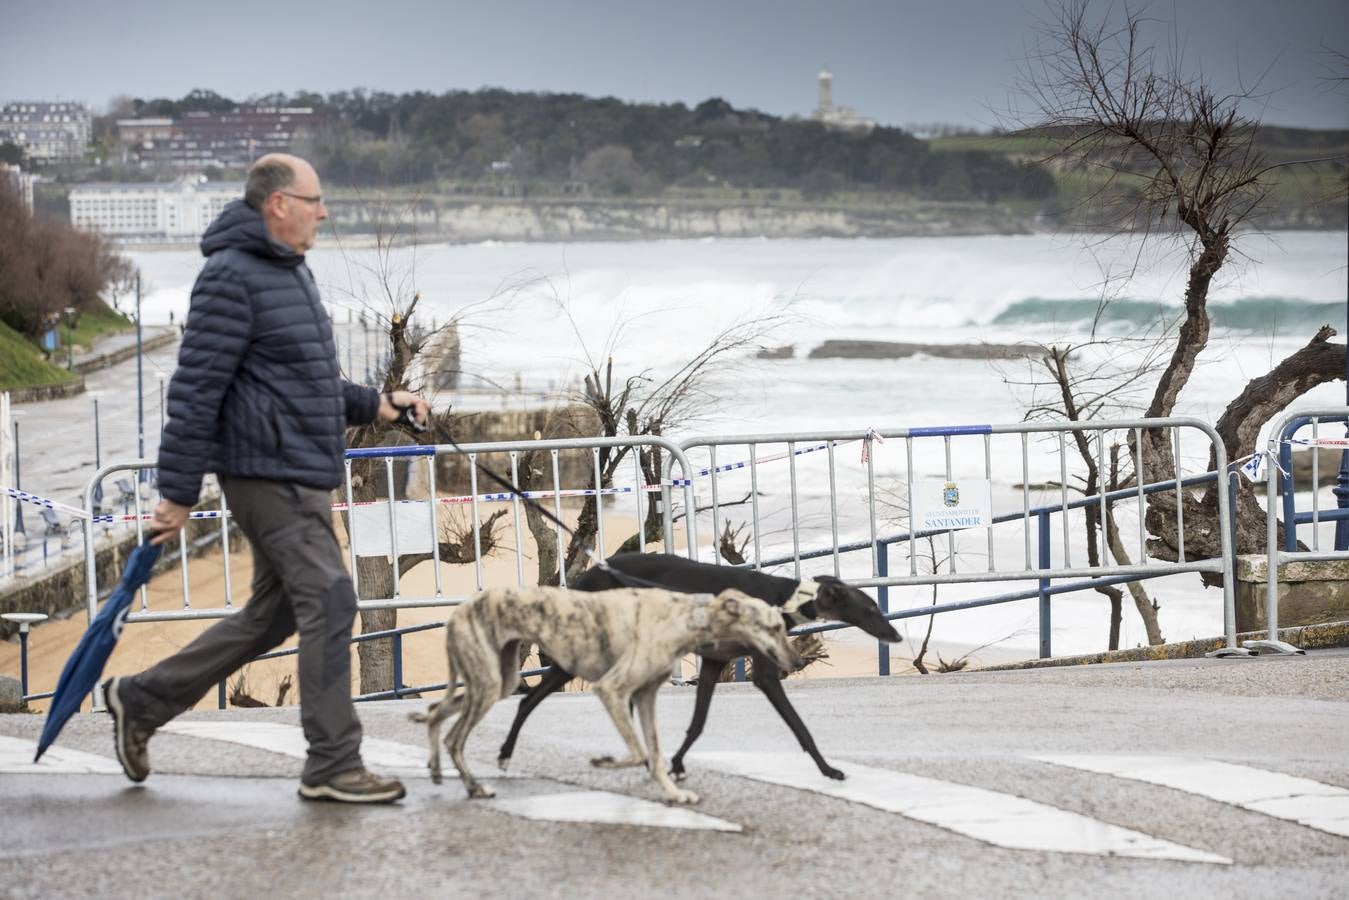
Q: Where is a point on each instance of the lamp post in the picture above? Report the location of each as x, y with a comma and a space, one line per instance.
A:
161, 376
24, 620
70, 339
18, 481
98, 452
140, 394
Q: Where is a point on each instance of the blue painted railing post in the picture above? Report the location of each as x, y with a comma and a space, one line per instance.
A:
397, 665
883, 600
220, 695
740, 668
1285, 476
1045, 563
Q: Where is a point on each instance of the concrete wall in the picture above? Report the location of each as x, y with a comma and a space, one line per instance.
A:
1309, 593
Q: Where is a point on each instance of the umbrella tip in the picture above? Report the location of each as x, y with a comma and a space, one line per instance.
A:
37, 756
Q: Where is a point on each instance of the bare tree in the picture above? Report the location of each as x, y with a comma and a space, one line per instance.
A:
641, 404
386, 290
1098, 378
1181, 165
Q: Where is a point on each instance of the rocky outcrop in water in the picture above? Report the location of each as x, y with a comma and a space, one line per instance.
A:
845, 349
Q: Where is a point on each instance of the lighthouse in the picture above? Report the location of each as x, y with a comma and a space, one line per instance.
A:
826, 94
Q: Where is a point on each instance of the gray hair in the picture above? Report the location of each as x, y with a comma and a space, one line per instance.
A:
265, 179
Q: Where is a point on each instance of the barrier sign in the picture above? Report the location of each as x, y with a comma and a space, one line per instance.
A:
952, 505
372, 534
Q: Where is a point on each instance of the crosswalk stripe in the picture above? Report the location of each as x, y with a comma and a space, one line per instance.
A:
289, 740
602, 807
1311, 803
996, 818
16, 758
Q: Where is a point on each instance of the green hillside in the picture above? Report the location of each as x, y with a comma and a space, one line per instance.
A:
22, 365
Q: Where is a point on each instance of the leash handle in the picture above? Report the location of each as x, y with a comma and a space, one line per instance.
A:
407, 416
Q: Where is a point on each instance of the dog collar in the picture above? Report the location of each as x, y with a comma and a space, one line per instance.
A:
804, 593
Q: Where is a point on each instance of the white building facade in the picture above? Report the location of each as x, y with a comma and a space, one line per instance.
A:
152, 211
20, 181
47, 132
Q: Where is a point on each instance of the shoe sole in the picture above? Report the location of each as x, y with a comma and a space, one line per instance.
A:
118, 715
328, 793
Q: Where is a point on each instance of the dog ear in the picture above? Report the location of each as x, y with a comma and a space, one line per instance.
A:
731, 607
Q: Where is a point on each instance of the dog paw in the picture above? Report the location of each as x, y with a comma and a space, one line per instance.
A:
608, 762
503, 762
481, 792
678, 775
833, 773
682, 797
435, 777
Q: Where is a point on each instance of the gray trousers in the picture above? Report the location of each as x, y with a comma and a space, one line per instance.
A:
299, 583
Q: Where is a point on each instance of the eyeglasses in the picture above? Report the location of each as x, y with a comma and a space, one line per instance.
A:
316, 199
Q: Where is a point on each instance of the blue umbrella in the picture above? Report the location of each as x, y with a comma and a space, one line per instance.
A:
86, 663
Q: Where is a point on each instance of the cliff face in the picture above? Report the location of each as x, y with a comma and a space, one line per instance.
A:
523, 220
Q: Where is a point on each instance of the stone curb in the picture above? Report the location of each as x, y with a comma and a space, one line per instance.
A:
1306, 637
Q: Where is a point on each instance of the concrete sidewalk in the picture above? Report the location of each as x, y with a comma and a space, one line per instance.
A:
220, 810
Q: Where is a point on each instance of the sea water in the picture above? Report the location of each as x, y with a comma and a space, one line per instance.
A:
541, 315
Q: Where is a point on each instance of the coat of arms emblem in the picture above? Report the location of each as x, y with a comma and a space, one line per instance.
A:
951, 494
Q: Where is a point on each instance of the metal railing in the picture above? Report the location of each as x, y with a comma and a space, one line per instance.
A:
1293, 423
1279, 447
1043, 559
361, 516
1039, 556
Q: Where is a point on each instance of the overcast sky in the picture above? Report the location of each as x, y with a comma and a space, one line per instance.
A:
901, 61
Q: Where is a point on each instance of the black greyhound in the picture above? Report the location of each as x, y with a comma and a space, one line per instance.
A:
823, 597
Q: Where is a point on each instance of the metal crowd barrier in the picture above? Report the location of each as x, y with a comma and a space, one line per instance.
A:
1281, 437
1042, 558
388, 507
1039, 556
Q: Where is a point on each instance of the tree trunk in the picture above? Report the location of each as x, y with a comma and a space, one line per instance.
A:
374, 578
1261, 400
1147, 609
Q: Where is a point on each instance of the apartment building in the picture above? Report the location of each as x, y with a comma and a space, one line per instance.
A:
151, 211
48, 132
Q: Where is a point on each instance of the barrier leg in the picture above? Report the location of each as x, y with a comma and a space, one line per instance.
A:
1046, 626
883, 601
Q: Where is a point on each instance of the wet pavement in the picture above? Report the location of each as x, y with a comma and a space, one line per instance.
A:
219, 816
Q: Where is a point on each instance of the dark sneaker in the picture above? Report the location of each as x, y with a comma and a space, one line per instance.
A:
355, 786
132, 740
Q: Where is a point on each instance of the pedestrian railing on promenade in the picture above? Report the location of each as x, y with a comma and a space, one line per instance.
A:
1009, 539
1036, 554
1282, 437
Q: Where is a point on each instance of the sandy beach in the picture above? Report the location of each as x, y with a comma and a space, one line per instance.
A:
142, 644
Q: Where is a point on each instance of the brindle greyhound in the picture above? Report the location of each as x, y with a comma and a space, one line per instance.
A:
823, 597
625, 641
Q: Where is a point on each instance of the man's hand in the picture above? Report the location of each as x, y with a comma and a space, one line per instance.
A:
169, 517
390, 411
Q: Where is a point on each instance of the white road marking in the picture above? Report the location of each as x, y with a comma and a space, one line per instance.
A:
16, 758
288, 740
999, 819
604, 808
1311, 803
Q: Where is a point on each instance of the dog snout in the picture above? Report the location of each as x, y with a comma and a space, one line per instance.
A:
886, 632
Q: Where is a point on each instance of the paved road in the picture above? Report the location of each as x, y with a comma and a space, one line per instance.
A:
949, 775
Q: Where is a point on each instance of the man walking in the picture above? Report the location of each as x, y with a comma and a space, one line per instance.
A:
259, 400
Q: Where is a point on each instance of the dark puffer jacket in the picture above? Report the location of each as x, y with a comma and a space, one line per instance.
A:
258, 392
